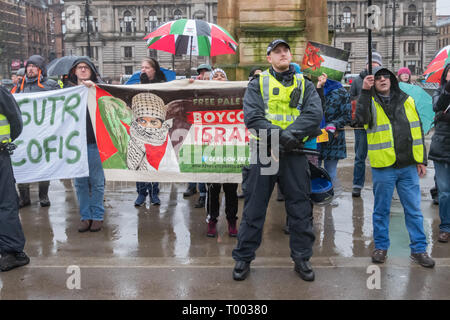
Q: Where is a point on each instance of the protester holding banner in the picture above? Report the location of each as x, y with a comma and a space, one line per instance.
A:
440, 151
270, 106
230, 189
150, 73
359, 170
12, 239
90, 190
35, 80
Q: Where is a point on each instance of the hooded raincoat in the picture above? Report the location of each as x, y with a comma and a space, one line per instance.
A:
395, 111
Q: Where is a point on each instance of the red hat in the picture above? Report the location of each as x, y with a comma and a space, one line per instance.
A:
403, 71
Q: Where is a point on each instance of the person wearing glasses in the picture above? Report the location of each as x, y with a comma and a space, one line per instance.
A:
90, 190
397, 155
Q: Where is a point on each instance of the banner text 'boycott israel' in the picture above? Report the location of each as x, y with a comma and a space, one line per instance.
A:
171, 132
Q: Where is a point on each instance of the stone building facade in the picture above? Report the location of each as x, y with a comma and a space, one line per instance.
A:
29, 27
117, 29
415, 33
443, 26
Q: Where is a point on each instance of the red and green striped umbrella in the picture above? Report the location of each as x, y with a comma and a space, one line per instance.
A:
193, 37
437, 65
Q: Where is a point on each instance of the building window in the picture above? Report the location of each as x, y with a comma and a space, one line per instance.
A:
177, 14
95, 27
411, 48
411, 65
127, 24
412, 15
128, 52
374, 46
153, 53
347, 17
152, 21
128, 69
348, 46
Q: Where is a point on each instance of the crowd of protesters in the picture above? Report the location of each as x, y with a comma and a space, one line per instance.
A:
373, 106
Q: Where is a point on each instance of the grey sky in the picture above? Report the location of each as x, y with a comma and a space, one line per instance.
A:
442, 7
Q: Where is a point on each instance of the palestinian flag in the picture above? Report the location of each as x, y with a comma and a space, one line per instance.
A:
320, 58
186, 36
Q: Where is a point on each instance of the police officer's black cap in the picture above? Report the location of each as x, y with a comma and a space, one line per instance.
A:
275, 43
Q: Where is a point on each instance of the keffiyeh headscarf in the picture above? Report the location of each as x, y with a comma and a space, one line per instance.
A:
211, 76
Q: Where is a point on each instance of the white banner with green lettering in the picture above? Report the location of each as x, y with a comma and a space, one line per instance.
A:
53, 142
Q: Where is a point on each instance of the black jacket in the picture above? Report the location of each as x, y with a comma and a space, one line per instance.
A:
10, 109
73, 81
395, 111
355, 89
440, 142
311, 113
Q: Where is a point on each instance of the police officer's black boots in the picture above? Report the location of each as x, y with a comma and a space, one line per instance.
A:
304, 270
241, 270
43, 193
24, 193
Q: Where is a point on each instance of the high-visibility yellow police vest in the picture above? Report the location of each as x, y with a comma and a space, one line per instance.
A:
277, 97
5, 130
380, 138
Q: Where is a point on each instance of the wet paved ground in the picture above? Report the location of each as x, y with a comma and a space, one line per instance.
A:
163, 252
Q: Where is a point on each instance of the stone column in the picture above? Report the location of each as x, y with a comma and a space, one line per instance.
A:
255, 23
316, 17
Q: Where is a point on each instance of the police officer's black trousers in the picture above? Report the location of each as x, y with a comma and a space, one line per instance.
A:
294, 179
12, 238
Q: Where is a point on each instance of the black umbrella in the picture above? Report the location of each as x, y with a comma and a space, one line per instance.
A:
61, 66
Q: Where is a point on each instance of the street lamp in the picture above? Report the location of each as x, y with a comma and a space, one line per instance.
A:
86, 15
421, 53
393, 35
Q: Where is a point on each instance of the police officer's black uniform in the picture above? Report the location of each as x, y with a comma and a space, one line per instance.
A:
293, 177
12, 239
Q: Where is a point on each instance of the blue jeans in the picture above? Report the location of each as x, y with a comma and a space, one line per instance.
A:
408, 188
201, 188
359, 170
443, 183
90, 190
331, 167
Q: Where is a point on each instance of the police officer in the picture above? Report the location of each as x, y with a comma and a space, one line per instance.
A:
286, 105
12, 239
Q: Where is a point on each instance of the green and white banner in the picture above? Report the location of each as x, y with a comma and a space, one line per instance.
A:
53, 141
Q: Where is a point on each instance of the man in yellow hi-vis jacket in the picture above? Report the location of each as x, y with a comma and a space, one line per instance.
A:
397, 156
282, 108
12, 239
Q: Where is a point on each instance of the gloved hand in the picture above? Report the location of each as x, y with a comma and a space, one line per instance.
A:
447, 86
330, 128
144, 78
289, 141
